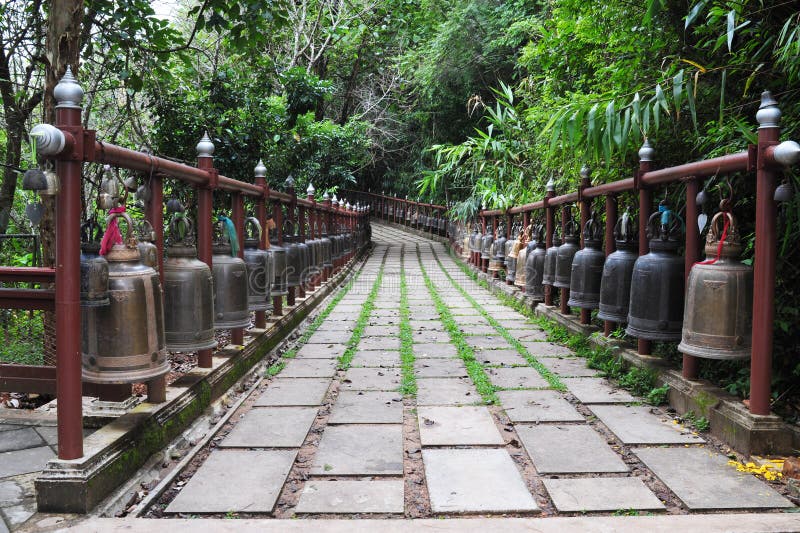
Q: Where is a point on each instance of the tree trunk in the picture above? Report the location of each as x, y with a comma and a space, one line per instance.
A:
10, 176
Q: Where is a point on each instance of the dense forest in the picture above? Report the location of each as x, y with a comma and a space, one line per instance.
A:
464, 102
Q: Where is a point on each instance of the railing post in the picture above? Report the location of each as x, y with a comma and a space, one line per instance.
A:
291, 213
690, 367
277, 216
566, 216
157, 387
237, 216
205, 202
646, 153
301, 238
611, 246
768, 118
67, 280
260, 175
585, 205
550, 192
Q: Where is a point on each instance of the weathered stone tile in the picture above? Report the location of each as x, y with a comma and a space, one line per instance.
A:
329, 337
596, 390
446, 391
360, 450
488, 342
367, 407
254, 489
457, 426
294, 391
538, 406
24, 461
426, 350
376, 358
547, 349
500, 357
423, 337
519, 377
475, 481
566, 449
638, 425
20, 439
271, 427
440, 368
572, 367
309, 368
379, 343
386, 379
601, 494
321, 351
352, 497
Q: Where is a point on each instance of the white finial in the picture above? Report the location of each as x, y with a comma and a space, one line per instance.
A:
646, 152
769, 114
205, 148
326, 196
551, 185
311, 190
68, 92
261, 170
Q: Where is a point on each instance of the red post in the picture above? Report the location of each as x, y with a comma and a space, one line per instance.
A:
290, 298
645, 206
550, 228
68, 268
611, 221
157, 388
566, 216
263, 244
585, 205
277, 216
768, 117
301, 237
690, 367
237, 216
205, 202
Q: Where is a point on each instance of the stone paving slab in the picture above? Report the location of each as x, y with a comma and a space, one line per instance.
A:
20, 439
376, 358
446, 391
367, 407
523, 325
568, 366
24, 461
596, 390
563, 449
426, 350
477, 329
294, 392
457, 426
309, 368
703, 480
487, 342
538, 406
254, 489
10, 427
423, 337
271, 427
427, 314
601, 494
474, 319
321, 351
500, 357
530, 335
637, 425
329, 337
379, 343
520, 377
464, 311
360, 450
351, 496
385, 379
547, 349
427, 325
440, 368
381, 331
475, 481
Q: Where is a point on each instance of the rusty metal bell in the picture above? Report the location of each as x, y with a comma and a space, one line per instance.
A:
535, 264
147, 248
587, 268
512, 253
523, 242
327, 249
260, 268
230, 286
94, 267
551, 256
497, 259
566, 253
615, 285
657, 283
717, 317
188, 292
124, 342
486, 245
294, 260
280, 286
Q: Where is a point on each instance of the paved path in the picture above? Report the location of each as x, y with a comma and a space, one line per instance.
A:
421, 395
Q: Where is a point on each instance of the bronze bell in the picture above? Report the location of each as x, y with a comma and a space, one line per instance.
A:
551, 255
512, 253
486, 249
230, 286
188, 292
497, 259
587, 268
535, 263
294, 260
615, 285
94, 267
717, 318
123, 342
522, 254
566, 253
260, 268
327, 250
147, 248
280, 285
657, 283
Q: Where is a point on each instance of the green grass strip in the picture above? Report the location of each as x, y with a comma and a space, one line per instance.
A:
409, 384
363, 318
551, 378
465, 352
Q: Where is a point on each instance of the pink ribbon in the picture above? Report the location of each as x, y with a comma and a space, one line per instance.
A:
112, 235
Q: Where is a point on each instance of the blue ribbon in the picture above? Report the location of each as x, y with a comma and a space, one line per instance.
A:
232, 236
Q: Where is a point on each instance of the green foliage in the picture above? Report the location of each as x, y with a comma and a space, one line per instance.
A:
363, 319
409, 384
658, 395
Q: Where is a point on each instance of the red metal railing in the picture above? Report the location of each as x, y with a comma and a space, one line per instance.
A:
766, 159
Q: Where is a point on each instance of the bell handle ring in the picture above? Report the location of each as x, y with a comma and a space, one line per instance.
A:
593, 230
174, 228
145, 230
715, 233
130, 238
91, 231
254, 226
664, 224
625, 228
570, 228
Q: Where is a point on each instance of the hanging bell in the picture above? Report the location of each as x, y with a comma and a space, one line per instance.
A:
566, 253
512, 253
550, 259
94, 267
655, 311
615, 285
522, 255
109, 191
497, 259
294, 259
717, 317
147, 248
327, 252
124, 341
260, 268
536, 261
280, 287
230, 285
587, 268
188, 292
486, 249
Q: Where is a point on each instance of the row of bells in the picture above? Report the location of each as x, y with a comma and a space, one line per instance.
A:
710, 312
129, 322
430, 223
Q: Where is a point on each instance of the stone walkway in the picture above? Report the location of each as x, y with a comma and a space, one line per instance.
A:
420, 394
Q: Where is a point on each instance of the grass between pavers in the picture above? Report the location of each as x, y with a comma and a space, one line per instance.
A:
639, 381
409, 383
465, 352
363, 318
549, 376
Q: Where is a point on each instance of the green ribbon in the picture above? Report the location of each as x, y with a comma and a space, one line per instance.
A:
232, 236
